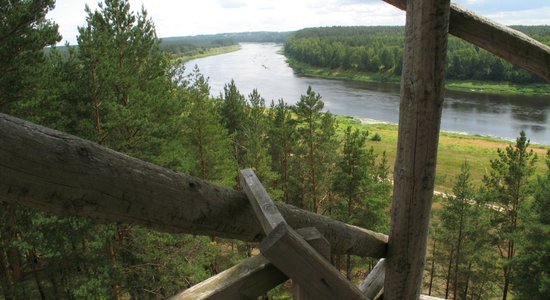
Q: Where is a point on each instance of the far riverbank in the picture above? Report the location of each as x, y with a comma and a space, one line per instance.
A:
208, 52
496, 88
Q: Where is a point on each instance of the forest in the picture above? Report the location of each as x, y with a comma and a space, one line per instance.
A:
189, 45
120, 90
379, 50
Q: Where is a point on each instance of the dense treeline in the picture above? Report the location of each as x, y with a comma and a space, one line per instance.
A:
380, 50
119, 89
190, 45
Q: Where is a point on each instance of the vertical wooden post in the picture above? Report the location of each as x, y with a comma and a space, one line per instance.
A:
422, 91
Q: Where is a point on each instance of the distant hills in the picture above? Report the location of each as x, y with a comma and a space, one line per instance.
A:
189, 44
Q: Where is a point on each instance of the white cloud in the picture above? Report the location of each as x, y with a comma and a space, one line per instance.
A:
540, 16
177, 18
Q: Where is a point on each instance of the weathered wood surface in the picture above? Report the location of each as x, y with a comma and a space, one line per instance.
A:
507, 43
264, 208
298, 260
269, 217
426, 297
313, 237
422, 91
246, 280
65, 175
249, 279
373, 284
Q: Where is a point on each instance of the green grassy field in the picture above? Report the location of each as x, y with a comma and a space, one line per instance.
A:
464, 86
454, 149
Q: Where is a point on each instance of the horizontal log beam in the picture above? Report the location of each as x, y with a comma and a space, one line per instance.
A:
66, 175
246, 280
250, 278
505, 42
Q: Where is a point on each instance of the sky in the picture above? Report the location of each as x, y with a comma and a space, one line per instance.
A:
193, 17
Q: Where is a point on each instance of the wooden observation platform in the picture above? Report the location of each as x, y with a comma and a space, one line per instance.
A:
65, 175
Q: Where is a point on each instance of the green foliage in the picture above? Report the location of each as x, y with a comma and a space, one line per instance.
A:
282, 134
531, 279
361, 184
316, 134
233, 113
376, 137
205, 140
24, 32
124, 75
379, 50
464, 241
256, 140
507, 187
198, 44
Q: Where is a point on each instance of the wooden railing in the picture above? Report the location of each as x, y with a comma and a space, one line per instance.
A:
507, 43
302, 255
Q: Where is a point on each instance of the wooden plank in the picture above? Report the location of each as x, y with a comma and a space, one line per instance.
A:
426, 297
314, 238
269, 217
422, 91
246, 280
264, 208
66, 175
373, 284
299, 261
249, 279
507, 43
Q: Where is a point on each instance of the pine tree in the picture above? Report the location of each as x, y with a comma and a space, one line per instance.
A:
463, 231
531, 279
205, 139
255, 139
315, 134
125, 75
282, 134
24, 33
353, 170
507, 188
233, 112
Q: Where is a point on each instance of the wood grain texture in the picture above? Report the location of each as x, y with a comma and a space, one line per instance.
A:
298, 260
373, 284
249, 279
314, 238
507, 43
422, 91
264, 208
246, 280
65, 175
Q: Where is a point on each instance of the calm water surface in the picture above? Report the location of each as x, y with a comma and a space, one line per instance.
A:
260, 66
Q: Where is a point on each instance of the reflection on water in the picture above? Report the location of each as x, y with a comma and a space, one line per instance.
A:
260, 66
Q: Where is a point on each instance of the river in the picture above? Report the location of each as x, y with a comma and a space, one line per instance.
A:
261, 66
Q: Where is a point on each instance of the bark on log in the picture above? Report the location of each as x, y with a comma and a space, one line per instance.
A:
422, 91
65, 175
507, 43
